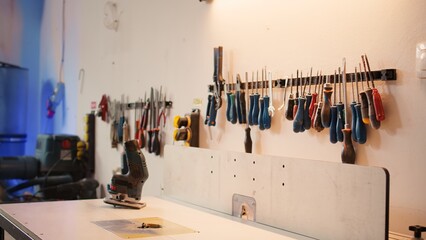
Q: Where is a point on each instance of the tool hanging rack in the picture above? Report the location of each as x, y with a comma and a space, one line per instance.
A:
383, 75
139, 104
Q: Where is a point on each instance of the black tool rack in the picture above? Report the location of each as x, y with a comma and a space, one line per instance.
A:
134, 105
383, 75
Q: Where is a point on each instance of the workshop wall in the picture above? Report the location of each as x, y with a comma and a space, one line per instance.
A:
170, 44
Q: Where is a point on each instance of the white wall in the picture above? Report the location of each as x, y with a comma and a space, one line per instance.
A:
170, 43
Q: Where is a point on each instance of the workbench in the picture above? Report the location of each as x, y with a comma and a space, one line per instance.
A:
80, 219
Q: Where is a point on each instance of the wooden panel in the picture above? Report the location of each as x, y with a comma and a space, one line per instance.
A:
319, 199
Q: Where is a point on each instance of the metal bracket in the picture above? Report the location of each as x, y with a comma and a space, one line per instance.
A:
244, 207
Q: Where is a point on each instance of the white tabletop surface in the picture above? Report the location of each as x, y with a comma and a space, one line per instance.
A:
75, 220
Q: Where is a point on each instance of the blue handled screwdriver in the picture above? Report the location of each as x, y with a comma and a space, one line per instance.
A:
340, 112
256, 96
333, 113
262, 106
298, 119
251, 105
361, 130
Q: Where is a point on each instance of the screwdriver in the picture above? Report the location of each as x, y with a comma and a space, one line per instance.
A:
266, 117
340, 111
233, 110
255, 114
298, 119
364, 100
228, 100
306, 118
348, 152
314, 99
377, 99
251, 105
333, 113
290, 103
241, 102
325, 112
144, 123
296, 102
317, 120
262, 106
247, 140
361, 130
371, 112
353, 111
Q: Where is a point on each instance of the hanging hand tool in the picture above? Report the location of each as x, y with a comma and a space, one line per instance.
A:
241, 102
157, 117
290, 103
271, 108
261, 105
255, 114
364, 100
152, 120
333, 113
285, 93
340, 111
214, 99
298, 117
228, 99
317, 120
325, 112
144, 123
233, 110
306, 118
247, 140
138, 114
296, 99
251, 104
369, 92
266, 103
121, 121
361, 130
348, 152
377, 99
353, 111
312, 106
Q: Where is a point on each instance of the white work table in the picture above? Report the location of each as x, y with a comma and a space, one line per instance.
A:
77, 220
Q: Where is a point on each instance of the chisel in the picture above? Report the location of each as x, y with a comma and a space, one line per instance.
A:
361, 130
348, 152
377, 99
255, 114
152, 119
333, 113
306, 118
290, 102
371, 111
